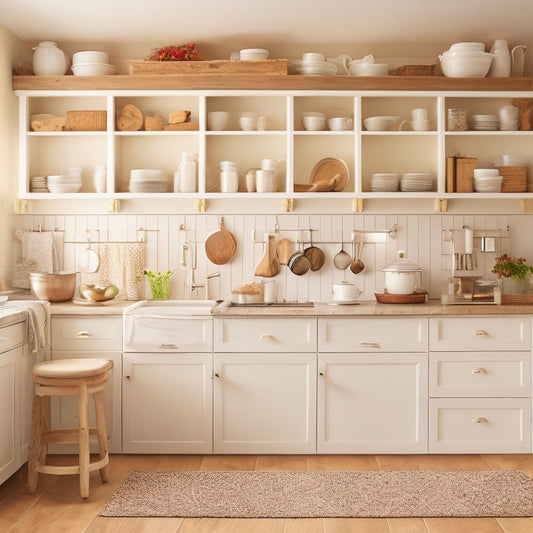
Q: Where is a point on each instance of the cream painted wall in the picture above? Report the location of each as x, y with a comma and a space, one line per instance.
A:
10, 47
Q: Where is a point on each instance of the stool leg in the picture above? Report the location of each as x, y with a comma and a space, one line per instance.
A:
45, 427
35, 442
99, 402
83, 451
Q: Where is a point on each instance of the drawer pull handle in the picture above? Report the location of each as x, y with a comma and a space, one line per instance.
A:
83, 335
481, 333
267, 337
480, 420
479, 370
167, 346
370, 344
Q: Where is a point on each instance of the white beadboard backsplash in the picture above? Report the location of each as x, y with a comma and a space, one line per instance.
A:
419, 235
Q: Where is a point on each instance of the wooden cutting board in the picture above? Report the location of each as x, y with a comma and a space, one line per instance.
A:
220, 246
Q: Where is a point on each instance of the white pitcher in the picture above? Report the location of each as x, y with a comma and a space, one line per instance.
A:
501, 61
342, 63
49, 60
517, 60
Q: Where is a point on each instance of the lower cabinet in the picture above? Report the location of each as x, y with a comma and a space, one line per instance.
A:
265, 403
372, 403
166, 403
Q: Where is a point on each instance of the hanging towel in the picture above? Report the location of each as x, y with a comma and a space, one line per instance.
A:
122, 265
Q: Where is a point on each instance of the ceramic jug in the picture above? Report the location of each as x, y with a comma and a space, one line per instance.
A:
341, 62
501, 61
517, 60
49, 60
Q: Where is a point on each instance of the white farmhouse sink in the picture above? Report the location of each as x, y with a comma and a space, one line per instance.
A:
171, 307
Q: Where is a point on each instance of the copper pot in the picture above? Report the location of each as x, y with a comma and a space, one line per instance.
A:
57, 287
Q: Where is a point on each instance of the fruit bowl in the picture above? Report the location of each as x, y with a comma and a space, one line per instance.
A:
97, 293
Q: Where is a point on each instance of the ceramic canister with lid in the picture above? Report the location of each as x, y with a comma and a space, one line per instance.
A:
400, 276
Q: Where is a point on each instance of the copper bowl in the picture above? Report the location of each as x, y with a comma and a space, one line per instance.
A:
56, 287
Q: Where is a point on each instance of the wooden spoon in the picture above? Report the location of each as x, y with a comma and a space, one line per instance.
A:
220, 246
268, 267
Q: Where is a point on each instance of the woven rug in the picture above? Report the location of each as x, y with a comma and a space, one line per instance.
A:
323, 494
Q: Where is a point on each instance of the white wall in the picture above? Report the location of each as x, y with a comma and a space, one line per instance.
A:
9, 50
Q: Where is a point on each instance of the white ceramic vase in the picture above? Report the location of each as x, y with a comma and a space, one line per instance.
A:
501, 62
49, 60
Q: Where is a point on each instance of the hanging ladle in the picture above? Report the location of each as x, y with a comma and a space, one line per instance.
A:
342, 259
357, 266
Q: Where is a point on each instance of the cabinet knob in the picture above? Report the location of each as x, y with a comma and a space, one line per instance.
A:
479, 370
370, 344
267, 337
321, 373
480, 420
83, 335
481, 333
127, 378
216, 374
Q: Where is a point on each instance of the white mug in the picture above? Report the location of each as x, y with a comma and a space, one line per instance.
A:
420, 125
265, 181
229, 181
271, 291
419, 114
248, 122
250, 179
217, 120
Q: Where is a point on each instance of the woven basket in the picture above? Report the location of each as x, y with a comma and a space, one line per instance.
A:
514, 179
87, 120
416, 70
517, 299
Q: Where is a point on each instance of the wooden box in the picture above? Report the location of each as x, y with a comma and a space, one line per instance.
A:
268, 67
514, 179
460, 174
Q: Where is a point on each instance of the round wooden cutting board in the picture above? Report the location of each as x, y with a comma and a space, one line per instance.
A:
220, 246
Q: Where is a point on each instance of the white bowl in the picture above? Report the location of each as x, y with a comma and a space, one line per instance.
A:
93, 69
340, 124
486, 173
465, 65
369, 69
379, 123
90, 56
248, 54
470, 46
314, 122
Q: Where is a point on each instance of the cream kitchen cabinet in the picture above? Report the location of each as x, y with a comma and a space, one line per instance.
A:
167, 403
297, 150
264, 398
372, 398
89, 336
14, 428
480, 382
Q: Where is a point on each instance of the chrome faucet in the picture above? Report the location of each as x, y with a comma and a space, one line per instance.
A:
192, 264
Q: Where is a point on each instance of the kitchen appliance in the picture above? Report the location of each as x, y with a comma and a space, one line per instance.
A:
401, 275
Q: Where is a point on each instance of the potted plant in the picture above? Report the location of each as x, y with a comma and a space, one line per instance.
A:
514, 273
159, 284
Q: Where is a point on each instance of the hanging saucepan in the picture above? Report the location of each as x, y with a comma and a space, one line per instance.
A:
299, 263
315, 255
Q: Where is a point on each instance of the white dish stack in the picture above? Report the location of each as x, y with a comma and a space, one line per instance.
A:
63, 184
149, 180
508, 118
92, 63
314, 64
487, 180
385, 182
485, 122
416, 182
38, 184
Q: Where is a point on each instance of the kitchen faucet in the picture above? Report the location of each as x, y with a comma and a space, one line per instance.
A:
192, 264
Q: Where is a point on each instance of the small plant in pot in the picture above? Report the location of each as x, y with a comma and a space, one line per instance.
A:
514, 274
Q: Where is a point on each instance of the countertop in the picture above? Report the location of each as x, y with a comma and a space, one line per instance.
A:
364, 308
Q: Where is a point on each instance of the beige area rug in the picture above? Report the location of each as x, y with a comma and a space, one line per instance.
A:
323, 494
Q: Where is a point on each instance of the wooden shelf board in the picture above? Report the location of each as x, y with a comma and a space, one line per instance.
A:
260, 82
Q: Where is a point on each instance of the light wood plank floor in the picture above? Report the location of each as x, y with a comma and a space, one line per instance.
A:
56, 505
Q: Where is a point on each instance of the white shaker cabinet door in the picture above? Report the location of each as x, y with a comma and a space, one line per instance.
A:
265, 403
167, 403
372, 403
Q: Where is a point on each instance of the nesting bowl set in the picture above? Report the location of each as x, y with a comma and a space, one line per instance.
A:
466, 60
92, 63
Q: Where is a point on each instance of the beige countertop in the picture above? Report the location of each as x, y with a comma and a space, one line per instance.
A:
112, 307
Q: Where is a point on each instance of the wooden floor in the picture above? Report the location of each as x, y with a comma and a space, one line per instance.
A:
56, 505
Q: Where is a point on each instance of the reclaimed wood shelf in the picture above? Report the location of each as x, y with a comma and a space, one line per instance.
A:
260, 82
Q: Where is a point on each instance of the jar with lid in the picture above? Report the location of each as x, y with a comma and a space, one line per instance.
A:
457, 120
49, 60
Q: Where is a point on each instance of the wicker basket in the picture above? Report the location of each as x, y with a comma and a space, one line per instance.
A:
514, 179
517, 299
87, 120
416, 70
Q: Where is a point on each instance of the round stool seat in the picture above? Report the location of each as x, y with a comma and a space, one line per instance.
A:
72, 368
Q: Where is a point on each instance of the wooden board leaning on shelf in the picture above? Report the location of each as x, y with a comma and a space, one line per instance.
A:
268, 67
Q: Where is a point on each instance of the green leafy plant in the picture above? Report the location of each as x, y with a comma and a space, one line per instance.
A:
510, 267
159, 284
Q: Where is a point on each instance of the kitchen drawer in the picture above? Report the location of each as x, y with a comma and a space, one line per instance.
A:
11, 336
265, 334
357, 334
480, 333
87, 333
477, 374
473, 425
168, 333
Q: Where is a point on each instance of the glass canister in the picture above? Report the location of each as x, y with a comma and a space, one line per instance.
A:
49, 60
457, 120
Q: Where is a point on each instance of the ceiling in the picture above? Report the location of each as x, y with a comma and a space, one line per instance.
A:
384, 27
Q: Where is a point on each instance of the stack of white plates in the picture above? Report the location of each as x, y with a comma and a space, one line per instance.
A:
416, 182
315, 68
148, 180
488, 183
485, 122
38, 184
508, 125
385, 182
60, 184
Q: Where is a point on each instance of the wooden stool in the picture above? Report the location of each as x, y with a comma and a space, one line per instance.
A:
68, 377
